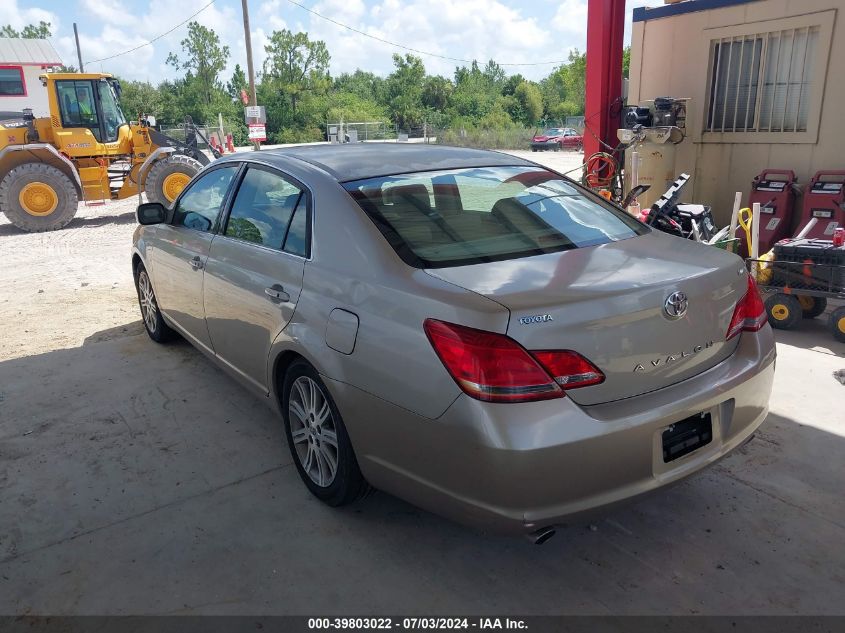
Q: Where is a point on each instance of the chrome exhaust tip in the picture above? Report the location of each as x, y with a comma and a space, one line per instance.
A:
542, 535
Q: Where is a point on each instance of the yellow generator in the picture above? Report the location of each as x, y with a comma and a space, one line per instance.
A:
85, 150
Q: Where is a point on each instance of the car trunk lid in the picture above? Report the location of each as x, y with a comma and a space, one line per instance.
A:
607, 303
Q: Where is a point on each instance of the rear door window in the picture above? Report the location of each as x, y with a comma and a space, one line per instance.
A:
298, 238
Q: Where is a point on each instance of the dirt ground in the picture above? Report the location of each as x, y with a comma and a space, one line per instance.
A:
138, 479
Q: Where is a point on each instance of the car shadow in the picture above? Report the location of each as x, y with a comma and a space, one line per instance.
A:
139, 478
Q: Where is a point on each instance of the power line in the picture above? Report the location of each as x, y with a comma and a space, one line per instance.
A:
414, 50
158, 37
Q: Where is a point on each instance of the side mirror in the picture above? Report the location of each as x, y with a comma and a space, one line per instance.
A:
151, 213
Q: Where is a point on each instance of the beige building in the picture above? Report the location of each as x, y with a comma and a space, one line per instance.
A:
766, 79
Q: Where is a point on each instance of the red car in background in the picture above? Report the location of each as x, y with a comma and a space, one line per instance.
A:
557, 138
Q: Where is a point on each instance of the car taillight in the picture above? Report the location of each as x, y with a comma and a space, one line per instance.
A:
495, 368
569, 369
749, 314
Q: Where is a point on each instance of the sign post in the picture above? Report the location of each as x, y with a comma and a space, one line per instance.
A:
256, 120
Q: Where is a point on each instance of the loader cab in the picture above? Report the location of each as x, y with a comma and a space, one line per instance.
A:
92, 103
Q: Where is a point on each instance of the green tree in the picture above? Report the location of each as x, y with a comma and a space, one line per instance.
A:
405, 89
510, 84
529, 104
626, 61
237, 83
38, 31
296, 65
363, 84
475, 92
204, 59
140, 97
436, 93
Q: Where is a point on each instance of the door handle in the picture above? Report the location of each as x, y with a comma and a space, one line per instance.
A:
196, 263
277, 293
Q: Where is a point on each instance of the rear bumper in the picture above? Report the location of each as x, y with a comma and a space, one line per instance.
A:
519, 468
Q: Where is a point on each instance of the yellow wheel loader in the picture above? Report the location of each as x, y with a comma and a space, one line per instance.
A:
86, 150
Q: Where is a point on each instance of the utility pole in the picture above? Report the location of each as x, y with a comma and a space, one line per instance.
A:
78, 51
249, 67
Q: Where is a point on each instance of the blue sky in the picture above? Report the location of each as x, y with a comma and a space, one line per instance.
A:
508, 31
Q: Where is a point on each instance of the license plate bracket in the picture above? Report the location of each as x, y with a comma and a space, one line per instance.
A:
686, 436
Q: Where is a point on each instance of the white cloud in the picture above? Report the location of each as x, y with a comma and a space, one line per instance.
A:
11, 13
469, 29
505, 30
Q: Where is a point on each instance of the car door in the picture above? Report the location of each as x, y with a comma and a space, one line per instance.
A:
253, 276
181, 248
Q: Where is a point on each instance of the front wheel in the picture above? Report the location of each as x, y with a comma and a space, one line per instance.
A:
154, 323
317, 438
38, 197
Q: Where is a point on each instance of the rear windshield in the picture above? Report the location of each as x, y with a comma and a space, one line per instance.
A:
455, 217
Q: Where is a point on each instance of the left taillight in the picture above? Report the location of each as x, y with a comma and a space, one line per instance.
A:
493, 367
749, 314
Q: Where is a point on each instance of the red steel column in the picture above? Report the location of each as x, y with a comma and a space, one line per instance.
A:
605, 33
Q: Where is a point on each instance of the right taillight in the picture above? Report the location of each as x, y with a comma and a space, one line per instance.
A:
495, 368
749, 314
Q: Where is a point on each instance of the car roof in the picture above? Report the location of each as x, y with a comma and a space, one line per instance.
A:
357, 161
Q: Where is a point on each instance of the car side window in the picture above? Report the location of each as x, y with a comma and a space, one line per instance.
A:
199, 207
297, 241
263, 208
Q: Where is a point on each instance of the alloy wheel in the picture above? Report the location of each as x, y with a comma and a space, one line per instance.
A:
313, 431
147, 299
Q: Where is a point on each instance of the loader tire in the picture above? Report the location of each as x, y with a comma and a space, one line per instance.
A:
168, 176
38, 197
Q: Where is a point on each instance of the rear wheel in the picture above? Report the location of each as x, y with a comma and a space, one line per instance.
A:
38, 197
169, 176
812, 307
784, 311
318, 440
836, 324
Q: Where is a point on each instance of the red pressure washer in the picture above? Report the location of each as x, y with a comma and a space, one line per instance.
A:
774, 189
824, 199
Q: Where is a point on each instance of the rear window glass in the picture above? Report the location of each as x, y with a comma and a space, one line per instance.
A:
465, 216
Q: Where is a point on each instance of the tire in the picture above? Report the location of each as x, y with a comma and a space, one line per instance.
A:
154, 323
811, 307
558, 147
784, 311
305, 400
836, 324
168, 176
51, 197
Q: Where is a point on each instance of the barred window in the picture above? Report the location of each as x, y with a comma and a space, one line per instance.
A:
762, 83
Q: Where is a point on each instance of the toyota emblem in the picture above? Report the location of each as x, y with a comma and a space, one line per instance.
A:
676, 305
